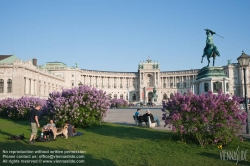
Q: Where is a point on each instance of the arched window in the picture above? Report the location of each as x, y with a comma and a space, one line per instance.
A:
165, 96
9, 86
206, 87
115, 96
150, 80
121, 96
1, 86
134, 97
171, 95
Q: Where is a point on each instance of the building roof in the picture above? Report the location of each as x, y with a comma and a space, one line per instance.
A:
4, 57
7, 58
109, 71
55, 64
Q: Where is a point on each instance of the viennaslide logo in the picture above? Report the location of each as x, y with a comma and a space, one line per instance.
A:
234, 155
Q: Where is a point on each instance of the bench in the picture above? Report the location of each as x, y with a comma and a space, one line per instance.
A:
139, 120
150, 124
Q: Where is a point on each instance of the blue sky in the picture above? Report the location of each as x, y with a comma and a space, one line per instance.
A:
115, 35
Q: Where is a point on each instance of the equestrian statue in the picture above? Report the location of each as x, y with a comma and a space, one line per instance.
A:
210, 49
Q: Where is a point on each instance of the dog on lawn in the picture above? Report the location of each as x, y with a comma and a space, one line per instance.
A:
58, 131
17, 137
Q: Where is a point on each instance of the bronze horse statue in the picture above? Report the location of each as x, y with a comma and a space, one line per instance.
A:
210, 50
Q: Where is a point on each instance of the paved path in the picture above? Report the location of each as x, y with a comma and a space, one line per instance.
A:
125, 116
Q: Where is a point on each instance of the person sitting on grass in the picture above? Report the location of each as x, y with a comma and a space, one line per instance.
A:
152, 118
71, 129
49, 126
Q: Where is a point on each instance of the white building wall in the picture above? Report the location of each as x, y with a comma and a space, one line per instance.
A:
28, 80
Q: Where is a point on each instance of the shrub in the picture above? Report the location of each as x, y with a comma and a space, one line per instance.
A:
206, 118
120, 102
19, 108
83, 106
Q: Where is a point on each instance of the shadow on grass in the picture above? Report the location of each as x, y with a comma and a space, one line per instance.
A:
124, 123
23, 122
19, 145
128, 132
217, 156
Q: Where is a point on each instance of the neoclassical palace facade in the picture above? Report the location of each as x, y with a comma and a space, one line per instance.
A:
19, 78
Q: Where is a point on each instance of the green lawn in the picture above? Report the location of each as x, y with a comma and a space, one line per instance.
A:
113, 144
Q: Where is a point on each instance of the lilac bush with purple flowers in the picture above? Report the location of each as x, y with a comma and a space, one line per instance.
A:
205, 118
19, 108
120, 102
82, 106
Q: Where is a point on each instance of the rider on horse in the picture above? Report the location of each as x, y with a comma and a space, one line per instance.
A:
210, 49
209, 42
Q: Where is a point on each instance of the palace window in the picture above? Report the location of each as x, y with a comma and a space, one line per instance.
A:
121, 96
9, 86
1, 86
165, 96
206, 87
164, 85
39, 89
134, 97
115, 96
171, 95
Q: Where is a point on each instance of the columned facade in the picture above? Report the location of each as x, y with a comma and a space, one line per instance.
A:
20, 78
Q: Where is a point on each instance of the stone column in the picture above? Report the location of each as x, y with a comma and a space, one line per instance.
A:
27, 86
31, 86
154, 78
189, 81
174, 82
182, 81
35, 87
25, 82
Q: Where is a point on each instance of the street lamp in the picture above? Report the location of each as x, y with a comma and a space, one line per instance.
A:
80, 84
244, 61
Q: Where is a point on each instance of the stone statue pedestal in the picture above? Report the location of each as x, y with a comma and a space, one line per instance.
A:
211, 79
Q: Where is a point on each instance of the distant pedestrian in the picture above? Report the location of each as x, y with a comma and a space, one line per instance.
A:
34, 123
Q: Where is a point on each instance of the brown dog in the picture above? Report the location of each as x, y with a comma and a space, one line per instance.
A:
57, 131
